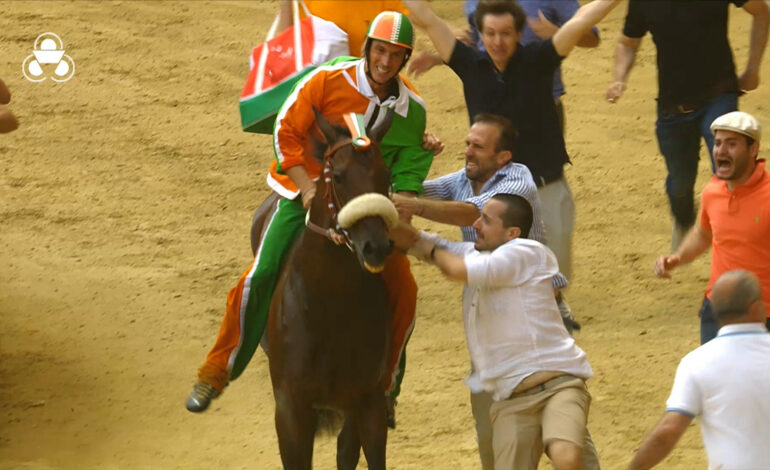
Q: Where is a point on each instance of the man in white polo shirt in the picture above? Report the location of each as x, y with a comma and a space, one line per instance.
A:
520, 350
725, 382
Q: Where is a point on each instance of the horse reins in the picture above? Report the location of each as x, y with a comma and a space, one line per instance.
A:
360, 142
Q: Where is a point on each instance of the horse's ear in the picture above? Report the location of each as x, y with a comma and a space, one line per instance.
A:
328, 131
377, 133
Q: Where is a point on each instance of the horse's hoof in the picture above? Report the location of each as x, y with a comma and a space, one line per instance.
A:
390, 412
200, 397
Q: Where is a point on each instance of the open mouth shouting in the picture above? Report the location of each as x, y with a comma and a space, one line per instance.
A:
724, 166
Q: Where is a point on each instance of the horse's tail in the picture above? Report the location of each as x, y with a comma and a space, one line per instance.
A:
328, 421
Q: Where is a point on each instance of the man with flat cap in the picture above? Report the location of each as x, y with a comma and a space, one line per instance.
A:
724, 382
734, 216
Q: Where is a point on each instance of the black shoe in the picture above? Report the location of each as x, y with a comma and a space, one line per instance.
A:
200, 397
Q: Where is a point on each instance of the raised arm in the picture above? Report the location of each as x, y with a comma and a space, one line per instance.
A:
625, 55
759, 9
545, 29
586, 17
438, 31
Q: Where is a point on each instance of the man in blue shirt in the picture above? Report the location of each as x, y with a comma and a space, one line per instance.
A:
457, 199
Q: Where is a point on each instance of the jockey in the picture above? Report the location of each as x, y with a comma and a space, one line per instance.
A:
368, 86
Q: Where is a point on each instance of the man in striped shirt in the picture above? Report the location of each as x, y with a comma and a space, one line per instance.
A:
457, 199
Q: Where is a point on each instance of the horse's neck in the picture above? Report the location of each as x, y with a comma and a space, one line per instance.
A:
318, 260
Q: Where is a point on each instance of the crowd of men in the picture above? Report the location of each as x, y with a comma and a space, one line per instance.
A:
516, 213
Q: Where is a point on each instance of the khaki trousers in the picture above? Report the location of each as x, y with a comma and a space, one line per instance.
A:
480, 406
558, 210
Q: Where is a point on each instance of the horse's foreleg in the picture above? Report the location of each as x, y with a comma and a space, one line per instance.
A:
295, 426
370, 421
348, 446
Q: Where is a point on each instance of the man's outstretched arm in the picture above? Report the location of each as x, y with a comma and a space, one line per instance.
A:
697, 240
661, 440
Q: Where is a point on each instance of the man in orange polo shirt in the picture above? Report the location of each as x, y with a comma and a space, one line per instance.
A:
735, 213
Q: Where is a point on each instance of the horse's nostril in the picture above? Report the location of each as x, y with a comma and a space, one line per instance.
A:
368, 249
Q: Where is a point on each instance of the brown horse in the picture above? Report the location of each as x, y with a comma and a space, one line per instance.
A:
329, 323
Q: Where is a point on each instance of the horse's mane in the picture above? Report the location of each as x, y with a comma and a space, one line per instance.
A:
318, 144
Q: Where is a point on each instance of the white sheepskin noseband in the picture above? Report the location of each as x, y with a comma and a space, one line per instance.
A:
365, 205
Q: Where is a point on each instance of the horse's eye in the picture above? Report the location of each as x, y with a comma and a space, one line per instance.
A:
337, 177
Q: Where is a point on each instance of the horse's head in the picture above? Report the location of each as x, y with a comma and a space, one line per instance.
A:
354, 190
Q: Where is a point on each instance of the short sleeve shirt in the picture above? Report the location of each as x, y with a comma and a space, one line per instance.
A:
695, 63
523, 94
740, 225
726, 383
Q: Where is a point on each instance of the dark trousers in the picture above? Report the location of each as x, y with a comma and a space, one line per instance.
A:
679, 135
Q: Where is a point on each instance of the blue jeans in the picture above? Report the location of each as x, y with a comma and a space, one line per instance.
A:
708, 322
679, 137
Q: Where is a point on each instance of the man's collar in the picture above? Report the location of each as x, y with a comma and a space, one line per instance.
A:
483, 56
756, 176
742, 328
400, 103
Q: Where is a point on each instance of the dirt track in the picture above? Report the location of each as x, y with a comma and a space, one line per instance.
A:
125, 202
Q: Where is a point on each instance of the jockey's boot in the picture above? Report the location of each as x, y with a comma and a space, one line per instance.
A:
200, 397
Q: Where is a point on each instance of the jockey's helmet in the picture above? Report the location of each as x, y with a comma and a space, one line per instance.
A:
391, 27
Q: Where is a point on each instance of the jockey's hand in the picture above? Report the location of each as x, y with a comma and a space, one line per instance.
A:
665, 264
432, 143
404, 236
307, 197
406, 206
423, 62
614, 91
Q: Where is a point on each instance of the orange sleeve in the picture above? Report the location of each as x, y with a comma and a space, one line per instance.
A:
295, 121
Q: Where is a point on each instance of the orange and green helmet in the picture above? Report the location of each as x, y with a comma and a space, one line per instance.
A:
392, 27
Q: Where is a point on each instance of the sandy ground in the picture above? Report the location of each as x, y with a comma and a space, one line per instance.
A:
125, 202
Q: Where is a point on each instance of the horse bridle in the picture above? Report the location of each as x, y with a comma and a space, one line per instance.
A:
337, 234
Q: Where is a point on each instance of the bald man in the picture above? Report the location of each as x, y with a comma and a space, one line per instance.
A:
725, 382
8, 121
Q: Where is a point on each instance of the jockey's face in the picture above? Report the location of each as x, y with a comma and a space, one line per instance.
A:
490, 230
733, 157
385, 60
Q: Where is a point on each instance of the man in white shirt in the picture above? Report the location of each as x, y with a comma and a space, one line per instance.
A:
520, 350
725, 382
